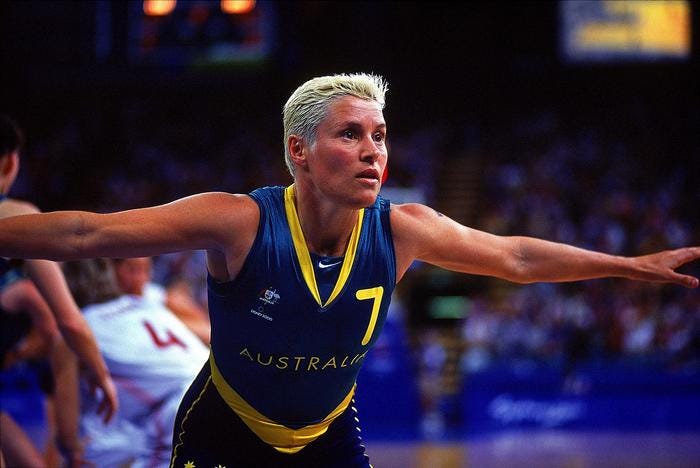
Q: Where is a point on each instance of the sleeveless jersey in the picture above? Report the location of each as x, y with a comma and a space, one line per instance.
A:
284, 356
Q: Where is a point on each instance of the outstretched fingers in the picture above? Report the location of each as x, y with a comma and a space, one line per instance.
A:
689, 254
683, 256
685, 280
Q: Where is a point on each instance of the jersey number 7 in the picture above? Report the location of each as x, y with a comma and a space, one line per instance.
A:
375, 294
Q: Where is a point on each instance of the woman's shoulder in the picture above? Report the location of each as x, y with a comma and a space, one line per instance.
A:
15, 207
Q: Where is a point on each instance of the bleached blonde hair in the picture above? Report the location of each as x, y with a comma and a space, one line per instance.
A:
309, 103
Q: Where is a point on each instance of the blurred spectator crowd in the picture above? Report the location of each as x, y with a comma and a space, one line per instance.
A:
603, 191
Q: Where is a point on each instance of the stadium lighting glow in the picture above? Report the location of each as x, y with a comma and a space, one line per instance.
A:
158, 7
237, 7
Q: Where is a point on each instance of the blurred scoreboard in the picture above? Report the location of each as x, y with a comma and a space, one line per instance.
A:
185, 33
624, 30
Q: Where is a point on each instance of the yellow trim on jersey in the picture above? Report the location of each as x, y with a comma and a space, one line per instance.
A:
182, 424
302, 250
280, 437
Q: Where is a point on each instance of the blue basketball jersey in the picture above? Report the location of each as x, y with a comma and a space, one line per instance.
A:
286, 352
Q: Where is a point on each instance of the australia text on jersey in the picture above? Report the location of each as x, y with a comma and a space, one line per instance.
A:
303, 363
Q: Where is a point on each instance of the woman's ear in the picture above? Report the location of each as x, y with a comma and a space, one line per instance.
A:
9, 167
4, 164
297, 150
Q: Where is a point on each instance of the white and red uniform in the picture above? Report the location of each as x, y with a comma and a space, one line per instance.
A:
153, 357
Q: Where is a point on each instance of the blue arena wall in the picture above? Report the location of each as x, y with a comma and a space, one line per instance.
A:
605, 396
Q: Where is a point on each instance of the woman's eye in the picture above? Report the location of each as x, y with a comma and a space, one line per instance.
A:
348, 134
378, 137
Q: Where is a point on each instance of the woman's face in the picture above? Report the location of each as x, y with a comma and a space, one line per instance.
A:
349, 155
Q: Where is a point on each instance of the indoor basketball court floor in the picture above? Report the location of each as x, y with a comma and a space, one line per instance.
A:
545, 448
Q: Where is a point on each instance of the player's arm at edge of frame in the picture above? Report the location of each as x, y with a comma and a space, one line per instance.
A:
210, 221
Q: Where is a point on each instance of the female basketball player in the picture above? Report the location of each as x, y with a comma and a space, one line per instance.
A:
300, 279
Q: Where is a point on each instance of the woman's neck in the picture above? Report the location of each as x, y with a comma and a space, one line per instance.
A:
327, 227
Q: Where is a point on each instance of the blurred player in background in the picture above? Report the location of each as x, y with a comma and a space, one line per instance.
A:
152, 357
134, 276
28, 334
49, 281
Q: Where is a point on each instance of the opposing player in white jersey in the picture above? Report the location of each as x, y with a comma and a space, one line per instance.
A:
152, 357
134, 276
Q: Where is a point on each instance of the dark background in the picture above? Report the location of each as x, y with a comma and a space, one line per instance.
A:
481, 61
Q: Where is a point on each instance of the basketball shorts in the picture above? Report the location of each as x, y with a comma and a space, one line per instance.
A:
208, 433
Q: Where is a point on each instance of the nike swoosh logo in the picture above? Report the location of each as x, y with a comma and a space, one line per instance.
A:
328, 265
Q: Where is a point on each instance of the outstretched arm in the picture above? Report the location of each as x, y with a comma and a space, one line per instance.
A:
424, 234
206, 221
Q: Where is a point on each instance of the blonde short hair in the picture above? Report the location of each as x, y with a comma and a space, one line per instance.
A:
308, 105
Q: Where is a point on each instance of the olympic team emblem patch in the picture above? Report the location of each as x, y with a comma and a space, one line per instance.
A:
269, 296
